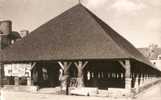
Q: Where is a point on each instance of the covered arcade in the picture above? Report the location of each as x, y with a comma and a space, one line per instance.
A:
80, 49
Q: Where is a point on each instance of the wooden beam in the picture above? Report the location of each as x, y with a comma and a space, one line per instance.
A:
80, 64
122, 64
128, 68
61, 65
84, 65
64, 65
33, 65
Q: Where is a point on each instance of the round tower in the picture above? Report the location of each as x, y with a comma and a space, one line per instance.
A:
6, 27
5, 30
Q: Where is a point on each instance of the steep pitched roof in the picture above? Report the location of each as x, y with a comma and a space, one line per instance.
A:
75, 34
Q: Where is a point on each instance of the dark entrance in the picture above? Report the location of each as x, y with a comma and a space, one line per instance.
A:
104, 74
46, 74
73, 73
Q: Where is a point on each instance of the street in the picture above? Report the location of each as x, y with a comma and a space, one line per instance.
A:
153, 93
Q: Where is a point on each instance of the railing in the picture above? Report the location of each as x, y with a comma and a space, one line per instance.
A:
73, 82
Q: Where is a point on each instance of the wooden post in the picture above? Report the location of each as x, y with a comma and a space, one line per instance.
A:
29, 78
127, 75
137, 83
29, 81
142, 79
65, 77
139, 79
126, 64
1, 74
16, 80
80, 66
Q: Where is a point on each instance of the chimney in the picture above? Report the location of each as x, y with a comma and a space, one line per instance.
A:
24, 33
5, 30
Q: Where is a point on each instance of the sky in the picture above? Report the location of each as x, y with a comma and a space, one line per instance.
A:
139, 21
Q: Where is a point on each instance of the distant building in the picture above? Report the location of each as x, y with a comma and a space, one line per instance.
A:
153, 54
157, 62
7, 38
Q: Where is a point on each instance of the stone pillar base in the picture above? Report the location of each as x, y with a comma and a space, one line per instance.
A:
80, 82
128, 90
128, 83
16, 81
29, 81
136, 85
64, 82
141, 81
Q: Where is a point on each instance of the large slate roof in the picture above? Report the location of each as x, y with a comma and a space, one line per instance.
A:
75, 34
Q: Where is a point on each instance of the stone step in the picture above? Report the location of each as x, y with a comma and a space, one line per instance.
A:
49, 90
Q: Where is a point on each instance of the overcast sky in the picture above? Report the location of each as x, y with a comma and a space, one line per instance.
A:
139, 21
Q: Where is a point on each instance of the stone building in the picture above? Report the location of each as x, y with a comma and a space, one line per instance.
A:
7, 37
153, 54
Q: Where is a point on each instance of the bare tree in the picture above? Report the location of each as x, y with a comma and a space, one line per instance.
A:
151, 50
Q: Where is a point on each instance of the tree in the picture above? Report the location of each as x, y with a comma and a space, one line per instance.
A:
151, 50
